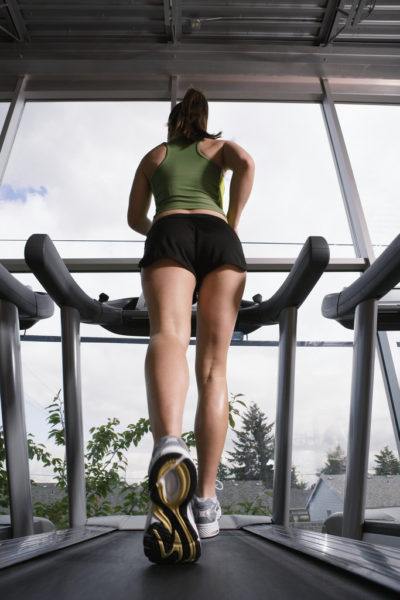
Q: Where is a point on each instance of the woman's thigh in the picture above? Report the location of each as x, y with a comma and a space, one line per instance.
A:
168, 289
219, 300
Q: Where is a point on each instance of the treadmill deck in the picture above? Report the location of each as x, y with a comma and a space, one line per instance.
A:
236, 564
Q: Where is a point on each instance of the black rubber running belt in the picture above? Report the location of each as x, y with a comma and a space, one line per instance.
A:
235, 565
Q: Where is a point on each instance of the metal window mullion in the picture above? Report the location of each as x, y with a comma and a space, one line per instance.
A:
11, 124
355, 214
362, 243
174, 85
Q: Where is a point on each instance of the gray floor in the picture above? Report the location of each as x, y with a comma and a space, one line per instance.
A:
234, 565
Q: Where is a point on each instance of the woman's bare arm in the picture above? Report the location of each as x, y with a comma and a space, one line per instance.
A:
242, 165
140, 196
139, 202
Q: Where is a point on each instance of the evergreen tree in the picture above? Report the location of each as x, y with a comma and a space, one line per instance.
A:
253, 448
295, 482
387, 463
335, 462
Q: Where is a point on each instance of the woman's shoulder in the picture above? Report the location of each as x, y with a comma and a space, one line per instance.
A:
219, 145
153, 158
213, 150
156, 151
211, 143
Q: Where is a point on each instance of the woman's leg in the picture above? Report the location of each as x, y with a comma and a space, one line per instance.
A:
219, 300
168, 289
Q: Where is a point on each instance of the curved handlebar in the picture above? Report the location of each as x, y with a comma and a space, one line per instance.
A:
43, 259
306, 271
122, 317
374, 283
32, 306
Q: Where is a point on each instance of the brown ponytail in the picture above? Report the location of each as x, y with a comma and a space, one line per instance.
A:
188, 119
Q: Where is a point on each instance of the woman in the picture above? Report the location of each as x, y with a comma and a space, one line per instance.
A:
191, 248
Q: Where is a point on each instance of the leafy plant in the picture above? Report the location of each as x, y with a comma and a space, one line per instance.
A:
105, 465
253, 508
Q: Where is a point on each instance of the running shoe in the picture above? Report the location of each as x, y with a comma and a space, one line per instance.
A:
207, 512
171, 534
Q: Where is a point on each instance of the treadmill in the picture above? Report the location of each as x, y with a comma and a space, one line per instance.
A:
20, 308
369, 305
257, 557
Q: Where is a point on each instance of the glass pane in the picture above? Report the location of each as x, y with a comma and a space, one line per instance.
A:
394, 343
71, 171
372, 139
322, 394
382, 433
382, 489
296, 191
372, 136
4, 106
113, 381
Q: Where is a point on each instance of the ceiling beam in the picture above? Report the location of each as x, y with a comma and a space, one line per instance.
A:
176, 21
83, 52
17, 21
246, 71
330, 18
131, 59
168, 19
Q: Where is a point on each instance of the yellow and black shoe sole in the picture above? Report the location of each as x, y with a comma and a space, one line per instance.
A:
172, 538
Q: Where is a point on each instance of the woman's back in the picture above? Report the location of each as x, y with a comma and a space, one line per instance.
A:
212, 149
187, 179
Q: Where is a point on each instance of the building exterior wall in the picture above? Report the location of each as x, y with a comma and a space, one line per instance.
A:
323, 503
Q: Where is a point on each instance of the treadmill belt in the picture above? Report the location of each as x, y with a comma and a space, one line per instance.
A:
236, 564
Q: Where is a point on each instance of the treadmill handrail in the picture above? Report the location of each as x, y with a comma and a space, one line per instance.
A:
375, 282
30, 304
45, 262
306, 271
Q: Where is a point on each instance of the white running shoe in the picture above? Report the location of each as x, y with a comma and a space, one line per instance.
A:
170, 534
207, 512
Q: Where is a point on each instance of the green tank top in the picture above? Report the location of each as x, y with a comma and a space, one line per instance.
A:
187, 179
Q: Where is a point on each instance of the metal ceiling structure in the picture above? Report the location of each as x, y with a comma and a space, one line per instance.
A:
231, 49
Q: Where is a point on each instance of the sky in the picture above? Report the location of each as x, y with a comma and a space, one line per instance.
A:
69, 176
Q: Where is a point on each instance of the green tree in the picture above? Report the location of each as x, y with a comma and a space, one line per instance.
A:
105, 468
295, 482
105, 462
335, 462
253, 448
37, 451
105, 465
387, 463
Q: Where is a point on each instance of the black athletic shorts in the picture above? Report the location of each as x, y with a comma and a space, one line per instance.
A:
199, 242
